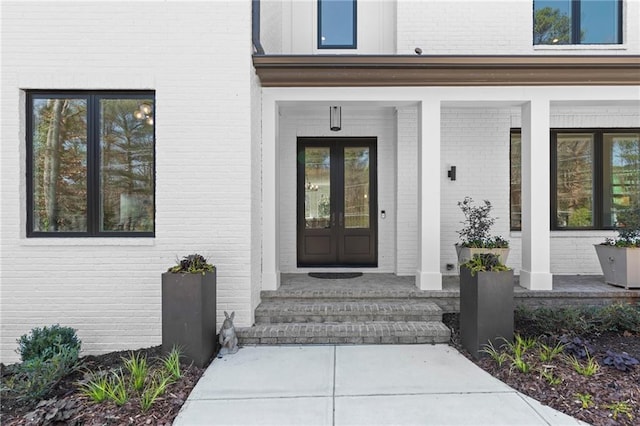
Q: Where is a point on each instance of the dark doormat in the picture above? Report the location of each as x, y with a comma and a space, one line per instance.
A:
335, 275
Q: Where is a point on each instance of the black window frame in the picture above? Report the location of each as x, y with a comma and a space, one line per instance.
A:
598, 175
340, 46
576, 26
93, 98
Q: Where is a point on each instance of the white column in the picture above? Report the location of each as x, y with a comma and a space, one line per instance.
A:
428, 276
536, 262
270, 271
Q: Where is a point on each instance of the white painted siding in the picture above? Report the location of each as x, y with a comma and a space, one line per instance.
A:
494, 27
256, 194
296, 31
438, 27
315, 122
272, 18
196, 56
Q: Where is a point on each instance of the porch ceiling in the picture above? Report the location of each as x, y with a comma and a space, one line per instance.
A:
402, 70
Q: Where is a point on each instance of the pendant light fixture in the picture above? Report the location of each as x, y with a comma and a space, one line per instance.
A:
335, 118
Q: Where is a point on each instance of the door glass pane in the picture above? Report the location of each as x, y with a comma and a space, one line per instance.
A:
59, 165
516, 181
336, 24
621, 174
599, 21
552, 22
317, 188
575, 181
126, 165
356, 188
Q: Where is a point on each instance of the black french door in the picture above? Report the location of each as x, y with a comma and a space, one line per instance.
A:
337, 202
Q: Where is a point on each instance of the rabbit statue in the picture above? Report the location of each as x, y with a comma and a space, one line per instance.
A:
228, 339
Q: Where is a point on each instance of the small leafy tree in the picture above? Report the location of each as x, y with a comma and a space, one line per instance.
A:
477, 225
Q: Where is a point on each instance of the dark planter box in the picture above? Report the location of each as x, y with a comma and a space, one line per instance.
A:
189, 315
486, 309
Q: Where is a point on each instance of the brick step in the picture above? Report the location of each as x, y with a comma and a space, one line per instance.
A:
332, 293
281, 311
374, 332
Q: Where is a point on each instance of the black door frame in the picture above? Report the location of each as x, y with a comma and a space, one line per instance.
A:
337, 232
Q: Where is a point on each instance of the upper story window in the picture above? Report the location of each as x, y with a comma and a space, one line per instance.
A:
337, 24
577, 22
594, 175
90, 164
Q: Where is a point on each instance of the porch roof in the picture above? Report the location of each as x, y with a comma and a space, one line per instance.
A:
426, 70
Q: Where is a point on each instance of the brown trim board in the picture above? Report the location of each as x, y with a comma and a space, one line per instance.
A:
401, 70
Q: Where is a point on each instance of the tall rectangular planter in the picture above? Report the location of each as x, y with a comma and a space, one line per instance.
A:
620, 265
465, 254
486, 309
189, 315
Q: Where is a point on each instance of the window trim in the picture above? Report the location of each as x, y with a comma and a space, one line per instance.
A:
93, 98
598, 172
576, 26
352, 46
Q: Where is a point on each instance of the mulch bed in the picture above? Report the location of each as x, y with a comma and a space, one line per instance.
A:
606, 387
70, 407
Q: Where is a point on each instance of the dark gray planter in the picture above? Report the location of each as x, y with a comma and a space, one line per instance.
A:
189, 315
486, 309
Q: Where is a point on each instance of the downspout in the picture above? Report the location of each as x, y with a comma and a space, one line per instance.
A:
255, 18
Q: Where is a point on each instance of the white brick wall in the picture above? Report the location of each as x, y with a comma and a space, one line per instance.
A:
315, 122
497, 27
477, 142
196, 56
407, 192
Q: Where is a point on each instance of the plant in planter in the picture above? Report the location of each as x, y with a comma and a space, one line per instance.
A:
189, 309
620, 257
475, 235
486, 303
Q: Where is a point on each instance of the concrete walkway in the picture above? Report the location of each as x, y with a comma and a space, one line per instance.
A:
357, 385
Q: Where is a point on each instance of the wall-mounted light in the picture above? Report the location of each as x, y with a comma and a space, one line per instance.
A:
335, 118
144, 113
451, 173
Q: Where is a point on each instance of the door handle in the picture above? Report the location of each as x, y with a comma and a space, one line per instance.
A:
341, 219
333, 220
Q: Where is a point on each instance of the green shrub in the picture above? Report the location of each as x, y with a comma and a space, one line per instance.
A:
39, 341
620, 317
37, 376
556, 321
48, 354
192, 264
585, 320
